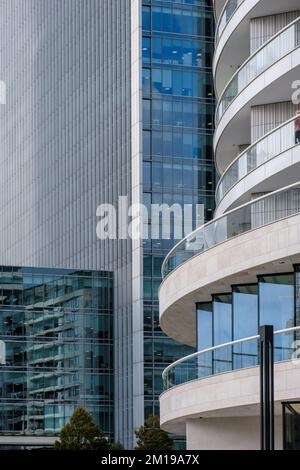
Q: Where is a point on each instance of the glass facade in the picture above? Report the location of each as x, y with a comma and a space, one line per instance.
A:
65, 139
178, 117
273, 300
57, 328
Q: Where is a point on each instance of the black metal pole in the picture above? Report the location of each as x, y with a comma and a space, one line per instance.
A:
267, 387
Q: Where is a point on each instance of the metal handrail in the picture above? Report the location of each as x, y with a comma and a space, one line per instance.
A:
211, 222
218, 36
263, 46
222, 346
248, 149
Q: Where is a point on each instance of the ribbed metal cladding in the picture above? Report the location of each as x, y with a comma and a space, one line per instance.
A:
262, 29
265, 118
65, 148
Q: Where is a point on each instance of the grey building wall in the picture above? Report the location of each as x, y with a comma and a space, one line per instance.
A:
65, 147
263, 28
267, 117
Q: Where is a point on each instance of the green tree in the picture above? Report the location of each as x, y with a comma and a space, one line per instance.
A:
81, 433
152, 437
116, 446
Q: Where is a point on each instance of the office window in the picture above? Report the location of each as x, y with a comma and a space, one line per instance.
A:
276, 307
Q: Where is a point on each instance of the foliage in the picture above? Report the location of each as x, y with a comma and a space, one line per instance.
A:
152, 437
116, 446
81, 433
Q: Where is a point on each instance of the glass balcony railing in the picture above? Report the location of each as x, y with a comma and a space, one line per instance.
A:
253, 215
271, 145
233, 356
284, 42
229, 9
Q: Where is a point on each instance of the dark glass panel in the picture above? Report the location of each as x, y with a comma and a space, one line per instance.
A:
245, 324
222, 332
276, 307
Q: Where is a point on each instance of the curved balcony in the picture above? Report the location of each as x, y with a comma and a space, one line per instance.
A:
228, 10
280, 45
219, 409
271, 145
251, 216
228, 357
233, 32
218, 7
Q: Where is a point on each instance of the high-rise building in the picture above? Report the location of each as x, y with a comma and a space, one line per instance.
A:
106, 98
178, 167
241, 270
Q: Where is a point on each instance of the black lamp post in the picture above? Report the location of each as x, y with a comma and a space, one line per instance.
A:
267, 387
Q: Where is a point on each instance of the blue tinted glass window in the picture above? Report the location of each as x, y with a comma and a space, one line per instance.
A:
146, 50
167, 51
157, 50
167, 82
245, 324
188, 176
177, 144
156, 19
147, 174
187, 114
167, 175
146, 18
187, 53
177, 113
157, 143
157, 81
222, 332
167, 25
176, 52
146, 82
146, 143
204, 338
204, 326
157, 175
177, 176
187, 83
157, 113
167, 113
146, 113
187, 150
167, 143
177, 83
276, 307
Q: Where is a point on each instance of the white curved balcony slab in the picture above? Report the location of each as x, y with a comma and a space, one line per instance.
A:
280, 171
272, 162
232, 45
272, 86
218, 7
229, 9
230, 395
270, 249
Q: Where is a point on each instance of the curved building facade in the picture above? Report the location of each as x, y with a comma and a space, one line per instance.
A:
241, 270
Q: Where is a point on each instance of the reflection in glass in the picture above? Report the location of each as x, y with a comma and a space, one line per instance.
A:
245, 324
204, 337
222, 307
57, 328
276, 307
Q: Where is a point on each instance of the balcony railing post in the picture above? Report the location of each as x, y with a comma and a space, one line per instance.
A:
267, 387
